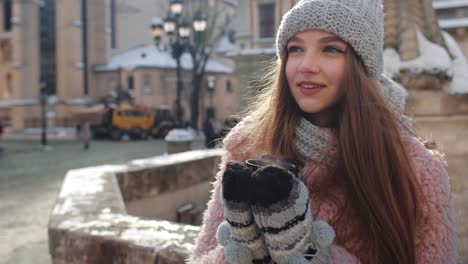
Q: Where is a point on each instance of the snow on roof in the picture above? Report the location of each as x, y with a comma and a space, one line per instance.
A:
51, 100
453, 22
225, 45
433, 59
157, 21
243, 34
17, 102
449, 4
151, 56
78, 101
249, 52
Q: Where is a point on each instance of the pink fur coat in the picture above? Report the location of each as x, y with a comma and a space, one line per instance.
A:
436, 237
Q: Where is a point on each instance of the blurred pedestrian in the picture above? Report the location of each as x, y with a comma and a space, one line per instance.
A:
211, 129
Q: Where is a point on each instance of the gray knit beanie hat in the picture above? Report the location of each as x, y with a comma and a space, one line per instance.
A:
358, 22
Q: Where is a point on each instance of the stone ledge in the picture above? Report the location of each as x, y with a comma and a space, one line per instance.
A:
89, 222
167, 174
435, 103
436, 127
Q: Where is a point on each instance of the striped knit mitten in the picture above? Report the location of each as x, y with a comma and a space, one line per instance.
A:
242, 240
281, 209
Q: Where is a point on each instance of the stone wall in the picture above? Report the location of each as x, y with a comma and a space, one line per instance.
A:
157, 192
91, 224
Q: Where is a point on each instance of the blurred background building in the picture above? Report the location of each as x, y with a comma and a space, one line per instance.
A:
76, 52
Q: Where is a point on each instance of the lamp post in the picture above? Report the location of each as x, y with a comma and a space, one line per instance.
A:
43, 101
118, 98
178, 32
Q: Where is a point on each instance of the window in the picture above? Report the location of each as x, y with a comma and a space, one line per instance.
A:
266, 20
9, 85
111, 83
134, 113
7, 12
47, 46
228, 86
446, 13
146, 79
147, 88
130, 82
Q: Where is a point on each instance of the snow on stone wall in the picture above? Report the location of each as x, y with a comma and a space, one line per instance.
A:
433, 59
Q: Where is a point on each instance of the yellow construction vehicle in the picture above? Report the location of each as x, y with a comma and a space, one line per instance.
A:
127, 119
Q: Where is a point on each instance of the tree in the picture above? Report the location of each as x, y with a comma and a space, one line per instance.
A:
218, 15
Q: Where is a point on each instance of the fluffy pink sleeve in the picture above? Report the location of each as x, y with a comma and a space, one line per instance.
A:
207, 249
436, 235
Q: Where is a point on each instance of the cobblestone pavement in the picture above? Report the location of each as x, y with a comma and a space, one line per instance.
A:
30, 179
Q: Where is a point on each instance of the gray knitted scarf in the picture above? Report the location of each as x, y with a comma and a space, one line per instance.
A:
315, 143
320, 144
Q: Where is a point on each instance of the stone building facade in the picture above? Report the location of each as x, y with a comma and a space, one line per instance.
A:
62, 54
54, 56
453, 18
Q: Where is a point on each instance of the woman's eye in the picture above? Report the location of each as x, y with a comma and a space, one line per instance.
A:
332, 49
294, 49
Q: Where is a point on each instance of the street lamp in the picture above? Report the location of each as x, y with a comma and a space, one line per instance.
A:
43, 101
179, 41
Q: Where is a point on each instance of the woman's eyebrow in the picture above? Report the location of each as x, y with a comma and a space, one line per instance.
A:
295, 39
331, 39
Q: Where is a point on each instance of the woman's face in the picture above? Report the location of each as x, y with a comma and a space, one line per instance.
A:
315, 70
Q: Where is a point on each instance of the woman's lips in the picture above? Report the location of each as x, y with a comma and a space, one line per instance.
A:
309, 88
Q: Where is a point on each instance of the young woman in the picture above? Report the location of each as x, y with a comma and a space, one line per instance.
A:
364, 190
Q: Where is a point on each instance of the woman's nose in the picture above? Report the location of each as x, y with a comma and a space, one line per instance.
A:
309, 64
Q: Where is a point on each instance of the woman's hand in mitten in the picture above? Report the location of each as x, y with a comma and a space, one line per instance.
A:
241, 238
280, 205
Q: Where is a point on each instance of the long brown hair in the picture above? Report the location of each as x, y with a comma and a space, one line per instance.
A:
372, 161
